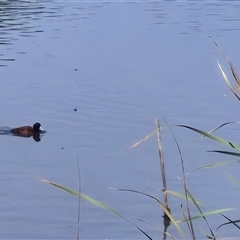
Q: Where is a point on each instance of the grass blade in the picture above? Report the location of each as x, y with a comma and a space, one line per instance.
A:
227, 153
93, 201
234, 72
232, 178
199, 209
184, 181
219, 211
234, 222
156, 227
216, 164
182, 196
222, 125
218, 139
144, 139
185, 217
227, 81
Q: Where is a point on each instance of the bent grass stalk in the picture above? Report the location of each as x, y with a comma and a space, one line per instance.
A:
92, 201
166, 217
186, 192
233, 70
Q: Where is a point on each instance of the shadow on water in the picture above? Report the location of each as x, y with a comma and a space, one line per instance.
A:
7, 131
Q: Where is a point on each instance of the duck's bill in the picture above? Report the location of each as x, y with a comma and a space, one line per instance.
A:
42, 130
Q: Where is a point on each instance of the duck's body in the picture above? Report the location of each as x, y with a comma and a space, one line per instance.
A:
28, 131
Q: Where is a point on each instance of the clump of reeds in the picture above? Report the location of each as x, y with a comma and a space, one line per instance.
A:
187, 197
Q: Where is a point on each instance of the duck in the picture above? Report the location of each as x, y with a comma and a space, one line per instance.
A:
28, 131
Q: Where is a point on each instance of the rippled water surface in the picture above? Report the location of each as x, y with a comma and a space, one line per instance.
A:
96, 75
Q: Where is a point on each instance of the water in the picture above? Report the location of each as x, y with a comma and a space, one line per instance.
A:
120, 65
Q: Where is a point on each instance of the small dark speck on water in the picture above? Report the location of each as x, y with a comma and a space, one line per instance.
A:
75, 69
75, 109
62, 147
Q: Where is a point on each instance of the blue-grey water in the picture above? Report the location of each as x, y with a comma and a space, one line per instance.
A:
121, 66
